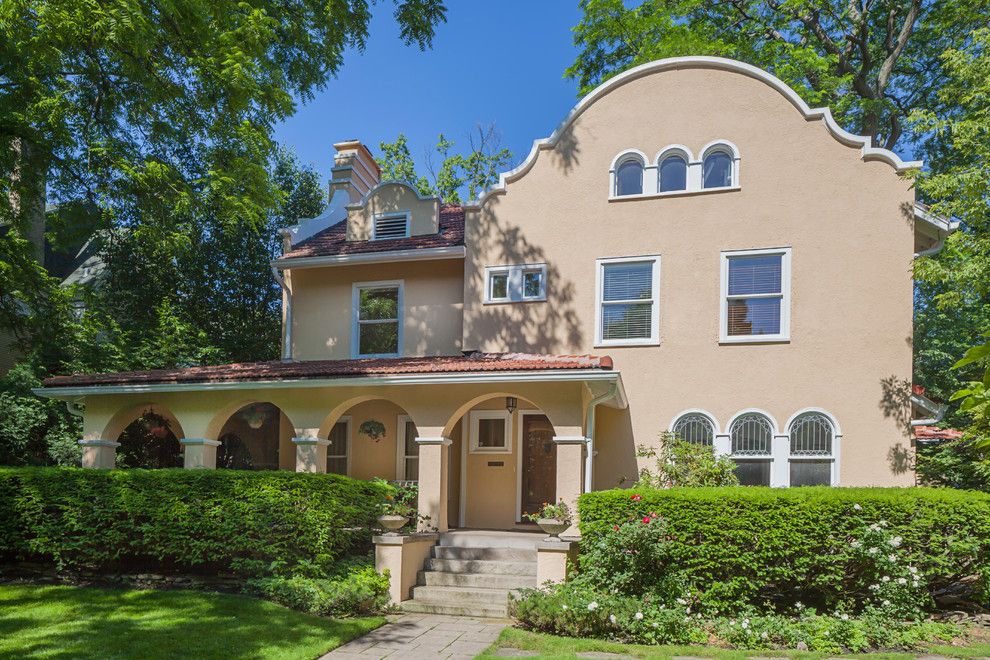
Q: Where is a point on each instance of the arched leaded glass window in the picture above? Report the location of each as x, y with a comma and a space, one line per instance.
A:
751, 435
629, 177
695, 427
812, 439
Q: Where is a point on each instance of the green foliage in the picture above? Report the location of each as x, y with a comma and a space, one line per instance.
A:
871, 63
471, 173
354, 589
34, 431
559, 511
683, 463
771, 548
954, 464
248, 523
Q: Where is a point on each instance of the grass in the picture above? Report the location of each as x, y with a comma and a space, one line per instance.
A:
72, 622
550, 646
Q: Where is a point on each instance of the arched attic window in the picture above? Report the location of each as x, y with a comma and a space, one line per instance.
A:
718, 166
629, 176
672, 171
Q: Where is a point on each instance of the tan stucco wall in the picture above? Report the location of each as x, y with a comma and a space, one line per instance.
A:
393, 198
432, 299
844, 219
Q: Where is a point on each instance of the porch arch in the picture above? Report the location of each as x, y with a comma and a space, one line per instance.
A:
127, 415
146, 436
254, 434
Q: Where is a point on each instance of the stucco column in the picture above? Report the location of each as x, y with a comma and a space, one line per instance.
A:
200, 453
311, 454
780, 468
433, 465
570, 471
101, 454
722, 445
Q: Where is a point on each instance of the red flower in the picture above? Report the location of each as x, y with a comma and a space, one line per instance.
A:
616, 528
636, 498
646, 520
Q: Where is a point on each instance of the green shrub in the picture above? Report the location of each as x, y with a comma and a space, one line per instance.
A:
772, 548
355, 589
206, 521
682, 463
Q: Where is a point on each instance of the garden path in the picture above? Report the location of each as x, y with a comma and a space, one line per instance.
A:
423, 636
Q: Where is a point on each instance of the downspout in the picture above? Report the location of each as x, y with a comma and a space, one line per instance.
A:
935, 249
589, 460
287, 346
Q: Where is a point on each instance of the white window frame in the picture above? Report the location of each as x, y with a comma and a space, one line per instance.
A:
400, 447
356, 323
649, 186
405, 215
730, 150
833, 457
346, 419
515, 289
691, 168
785, 295
476, 416
654, 338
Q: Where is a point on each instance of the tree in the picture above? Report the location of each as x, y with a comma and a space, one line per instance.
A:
471, 173
871, 61
156, 111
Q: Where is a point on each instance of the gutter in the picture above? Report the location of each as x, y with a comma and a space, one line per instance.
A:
413, 254
287, 343
937, 409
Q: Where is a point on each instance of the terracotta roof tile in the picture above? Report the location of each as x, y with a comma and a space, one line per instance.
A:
277, 370
935, 433
333, 240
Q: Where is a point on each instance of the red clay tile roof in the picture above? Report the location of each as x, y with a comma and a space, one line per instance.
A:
935, 433
275, 370
333, 240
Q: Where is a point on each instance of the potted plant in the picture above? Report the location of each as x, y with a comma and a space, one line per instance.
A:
552, 518
394, 515
373, 429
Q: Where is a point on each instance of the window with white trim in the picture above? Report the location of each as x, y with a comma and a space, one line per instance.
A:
751, 435
524, 283
390, 225
673, 173
812, 439
377, 319
490, 432
408, 449
756, 287
337, 450
628, 309
718, 168
696, 428
629, 177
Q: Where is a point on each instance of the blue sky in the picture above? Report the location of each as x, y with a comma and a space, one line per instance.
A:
499, 62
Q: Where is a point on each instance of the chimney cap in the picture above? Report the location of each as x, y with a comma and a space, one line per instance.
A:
357, 145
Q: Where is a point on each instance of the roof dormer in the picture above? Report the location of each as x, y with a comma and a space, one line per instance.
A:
392, 210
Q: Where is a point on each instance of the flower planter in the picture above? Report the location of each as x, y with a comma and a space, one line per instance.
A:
553, 527
392, 524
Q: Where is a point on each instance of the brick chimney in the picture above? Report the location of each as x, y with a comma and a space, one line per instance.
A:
354, 170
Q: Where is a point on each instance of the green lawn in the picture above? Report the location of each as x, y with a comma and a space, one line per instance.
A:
549, 646
71, 622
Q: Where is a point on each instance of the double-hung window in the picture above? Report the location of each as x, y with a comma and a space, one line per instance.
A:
628, 309
526, 283
756, 292
377, 319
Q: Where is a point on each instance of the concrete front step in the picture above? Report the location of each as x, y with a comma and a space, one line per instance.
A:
485, 554
475, 538
476, 580
422, 607
481, 566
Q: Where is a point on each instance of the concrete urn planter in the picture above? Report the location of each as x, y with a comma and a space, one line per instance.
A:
553, 527
392, 524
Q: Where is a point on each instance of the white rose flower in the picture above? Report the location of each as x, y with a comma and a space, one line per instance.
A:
681, 601
901, 580
592, 606
656, 625
844, 617
912, 569
885, 578
886, 603
745, 623
798, 605
564, 606
857, 507
855, 544
873, 551
763, 635
611, 617
892, 558
638, 616
896, 541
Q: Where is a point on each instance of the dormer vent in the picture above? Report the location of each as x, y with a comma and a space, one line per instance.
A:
391, 225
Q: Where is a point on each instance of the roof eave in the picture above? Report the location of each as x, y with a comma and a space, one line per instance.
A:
420, 254
69, 392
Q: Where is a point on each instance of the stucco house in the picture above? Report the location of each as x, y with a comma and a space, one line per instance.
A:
694, 249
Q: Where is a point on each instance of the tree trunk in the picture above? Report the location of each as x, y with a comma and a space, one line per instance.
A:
28, 193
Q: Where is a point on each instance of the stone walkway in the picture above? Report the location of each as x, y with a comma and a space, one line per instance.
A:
415, 636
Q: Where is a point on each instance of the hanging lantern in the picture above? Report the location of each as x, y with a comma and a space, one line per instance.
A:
255, 417
510, 404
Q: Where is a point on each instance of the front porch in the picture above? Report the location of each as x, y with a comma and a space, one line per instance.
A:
487, 438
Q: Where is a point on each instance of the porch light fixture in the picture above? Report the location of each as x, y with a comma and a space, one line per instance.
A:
510, 404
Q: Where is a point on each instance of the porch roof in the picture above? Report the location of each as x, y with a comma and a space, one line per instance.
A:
479, 366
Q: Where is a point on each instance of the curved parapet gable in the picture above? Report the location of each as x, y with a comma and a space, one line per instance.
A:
393, 198
865, 143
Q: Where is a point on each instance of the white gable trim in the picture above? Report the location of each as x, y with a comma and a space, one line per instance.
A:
865, 143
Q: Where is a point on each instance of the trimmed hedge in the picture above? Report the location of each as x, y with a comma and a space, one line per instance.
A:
766, 546
207, 521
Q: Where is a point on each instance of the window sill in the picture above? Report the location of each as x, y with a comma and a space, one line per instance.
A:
627, 343
673, 193
811, 458
513, 302
756, 339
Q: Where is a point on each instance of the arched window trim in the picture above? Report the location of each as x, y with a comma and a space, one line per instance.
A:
716, 430
623, 158
774, 430
722, 147
832, 457
689, 165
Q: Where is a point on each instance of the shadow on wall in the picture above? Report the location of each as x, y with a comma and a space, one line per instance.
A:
895, 403
616, 464
530, 327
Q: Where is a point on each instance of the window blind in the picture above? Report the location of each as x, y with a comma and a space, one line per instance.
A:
754, 275
628, 281
627, 300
